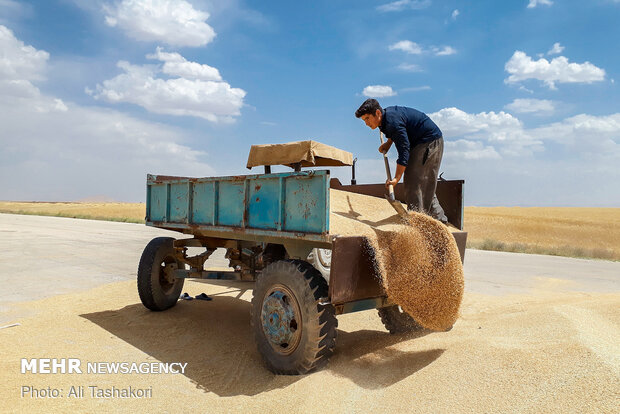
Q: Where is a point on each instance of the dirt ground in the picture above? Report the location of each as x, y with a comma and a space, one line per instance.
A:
540, 352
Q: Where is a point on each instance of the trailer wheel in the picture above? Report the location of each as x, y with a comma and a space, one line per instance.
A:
157, 286
397, 321
321, 259
294, 333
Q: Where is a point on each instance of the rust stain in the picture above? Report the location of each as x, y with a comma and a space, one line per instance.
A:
258, 186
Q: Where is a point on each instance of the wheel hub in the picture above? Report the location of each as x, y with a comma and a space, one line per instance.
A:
325, 257
167, 276
281, 320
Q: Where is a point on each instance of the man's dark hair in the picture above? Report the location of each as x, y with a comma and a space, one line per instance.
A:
369, 106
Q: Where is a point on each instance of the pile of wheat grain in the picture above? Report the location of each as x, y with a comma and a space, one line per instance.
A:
418, 262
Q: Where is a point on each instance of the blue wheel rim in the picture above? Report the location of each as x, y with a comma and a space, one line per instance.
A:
281, 319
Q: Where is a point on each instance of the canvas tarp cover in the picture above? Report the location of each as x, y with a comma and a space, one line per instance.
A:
308, 153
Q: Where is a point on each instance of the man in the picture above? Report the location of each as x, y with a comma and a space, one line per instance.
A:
419, 143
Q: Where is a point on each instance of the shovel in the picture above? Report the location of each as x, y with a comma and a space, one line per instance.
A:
390, 195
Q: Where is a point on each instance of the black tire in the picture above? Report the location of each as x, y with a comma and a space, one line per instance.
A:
397, 322
157, 292
303, 336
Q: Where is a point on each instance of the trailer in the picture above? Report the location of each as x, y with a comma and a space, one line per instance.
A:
275, 229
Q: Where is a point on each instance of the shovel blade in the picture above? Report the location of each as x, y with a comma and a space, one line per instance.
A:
398, 207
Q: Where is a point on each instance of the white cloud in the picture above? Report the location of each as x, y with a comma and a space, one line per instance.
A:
445, 51
174, 22
20, 65
595, 137
463, 149
586, 150
502, 129
71, 151
538, 106
598, 135
407, 46
413, 48
455, 122
522, 67
192, 95
177, 65
53, 150
582, 172
400, 5
455, 14
409, 67
19, 61
378, 91
515, 171
556, 49
534, 3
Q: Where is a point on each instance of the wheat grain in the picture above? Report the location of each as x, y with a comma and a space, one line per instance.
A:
418, 261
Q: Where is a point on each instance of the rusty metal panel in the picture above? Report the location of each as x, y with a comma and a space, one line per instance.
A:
264, 203
461, 240
203, 205
231, 203
306, 204
158, 196
375, 190
353, 276
179, 195
283, 206
450, 196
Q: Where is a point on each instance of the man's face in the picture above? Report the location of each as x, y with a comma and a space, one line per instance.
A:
372, 120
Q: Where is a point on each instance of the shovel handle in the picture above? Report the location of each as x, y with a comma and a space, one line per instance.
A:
391, 193
385, 159
387, 171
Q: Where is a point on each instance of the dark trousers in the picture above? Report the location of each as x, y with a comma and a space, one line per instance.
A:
420, 179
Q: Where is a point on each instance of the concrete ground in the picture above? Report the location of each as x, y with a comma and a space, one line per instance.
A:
501, 273
47, 256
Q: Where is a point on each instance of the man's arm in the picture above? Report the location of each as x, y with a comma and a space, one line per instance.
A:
401, 140
400, 170
398, 134
385, 147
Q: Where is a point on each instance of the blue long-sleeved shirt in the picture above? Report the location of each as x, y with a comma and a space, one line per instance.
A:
407, 127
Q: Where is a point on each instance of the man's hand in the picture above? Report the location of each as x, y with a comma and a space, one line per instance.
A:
391, 182
385, 147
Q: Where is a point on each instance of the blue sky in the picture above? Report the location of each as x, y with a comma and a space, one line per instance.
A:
96, 94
